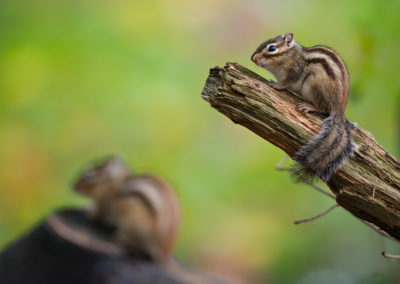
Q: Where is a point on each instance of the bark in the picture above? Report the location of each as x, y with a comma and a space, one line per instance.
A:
368, 185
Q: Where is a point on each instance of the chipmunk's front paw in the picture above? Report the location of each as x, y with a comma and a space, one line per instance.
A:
305, 108
277, 86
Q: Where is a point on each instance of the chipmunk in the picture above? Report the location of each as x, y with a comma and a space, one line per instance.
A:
143, 209
144, 212
320, 77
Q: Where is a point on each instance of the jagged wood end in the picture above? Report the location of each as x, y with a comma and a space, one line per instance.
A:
368, 185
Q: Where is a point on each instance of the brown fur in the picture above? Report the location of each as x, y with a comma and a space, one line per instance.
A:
328, 92
166, 213
143, 209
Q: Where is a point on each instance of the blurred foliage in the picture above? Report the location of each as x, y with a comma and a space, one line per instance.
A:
81, 79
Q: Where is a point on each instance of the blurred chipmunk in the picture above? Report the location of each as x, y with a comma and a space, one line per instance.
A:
143, 209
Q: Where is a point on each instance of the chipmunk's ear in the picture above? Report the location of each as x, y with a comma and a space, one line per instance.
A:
289, 39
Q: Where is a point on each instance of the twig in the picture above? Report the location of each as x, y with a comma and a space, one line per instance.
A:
316, 216
320, 189
279, 167
391, 256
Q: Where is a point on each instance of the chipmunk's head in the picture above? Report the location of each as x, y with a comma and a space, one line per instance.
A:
271, 52
102, 177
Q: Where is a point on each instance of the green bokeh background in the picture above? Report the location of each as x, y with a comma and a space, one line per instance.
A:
81, 79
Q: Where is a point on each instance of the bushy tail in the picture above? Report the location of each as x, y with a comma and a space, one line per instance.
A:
327, 151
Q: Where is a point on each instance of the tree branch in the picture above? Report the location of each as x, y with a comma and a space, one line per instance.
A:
368, 185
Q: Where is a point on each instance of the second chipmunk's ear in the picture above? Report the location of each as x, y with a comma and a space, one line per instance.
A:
288, 39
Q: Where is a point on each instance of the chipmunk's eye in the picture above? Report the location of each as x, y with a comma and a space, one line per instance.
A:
272, 48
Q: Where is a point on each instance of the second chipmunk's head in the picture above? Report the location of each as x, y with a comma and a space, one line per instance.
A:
272, 52
102, 178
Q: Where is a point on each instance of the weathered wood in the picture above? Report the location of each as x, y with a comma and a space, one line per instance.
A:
368, 185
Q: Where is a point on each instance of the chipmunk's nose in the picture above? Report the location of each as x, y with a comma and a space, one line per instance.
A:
253, 58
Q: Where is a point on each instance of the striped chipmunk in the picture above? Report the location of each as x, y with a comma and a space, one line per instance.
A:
143, 209
320, 77
144, 212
